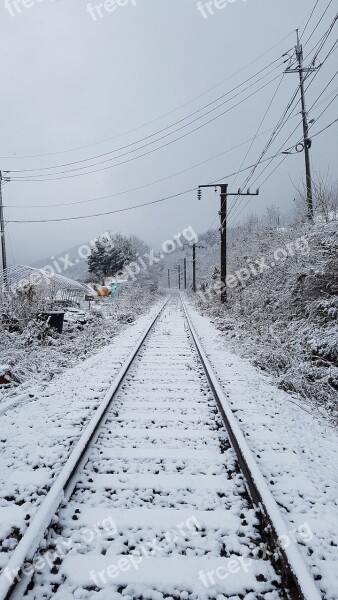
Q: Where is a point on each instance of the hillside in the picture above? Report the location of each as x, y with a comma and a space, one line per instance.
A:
284, 318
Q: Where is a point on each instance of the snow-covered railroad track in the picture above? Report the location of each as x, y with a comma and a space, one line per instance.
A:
155, 506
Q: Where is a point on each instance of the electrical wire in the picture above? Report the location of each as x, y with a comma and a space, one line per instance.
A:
139, 141
325, 109
128, 208
54, 176
236, 199
260, 125
316, 73
318, 23
135, 189
309, 19
323, 91
277, 167
153, 120
179, 194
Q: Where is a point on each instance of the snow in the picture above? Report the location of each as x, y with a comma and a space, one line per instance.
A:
158, 463
174, 479
185, 572
37, 437
296, 451
168, 517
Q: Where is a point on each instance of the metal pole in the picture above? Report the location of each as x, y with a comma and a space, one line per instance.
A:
223, 215
185, 273
307, 142
2, 232
194, 267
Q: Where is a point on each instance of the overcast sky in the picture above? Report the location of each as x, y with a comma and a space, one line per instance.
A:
69, 81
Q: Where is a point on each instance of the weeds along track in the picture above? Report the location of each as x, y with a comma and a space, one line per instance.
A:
160, 499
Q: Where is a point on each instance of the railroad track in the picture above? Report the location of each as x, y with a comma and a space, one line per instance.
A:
161, 498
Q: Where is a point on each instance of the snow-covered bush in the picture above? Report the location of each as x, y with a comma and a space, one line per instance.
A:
285, 318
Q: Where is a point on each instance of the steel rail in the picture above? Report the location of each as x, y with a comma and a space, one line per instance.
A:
297, 579
62, 487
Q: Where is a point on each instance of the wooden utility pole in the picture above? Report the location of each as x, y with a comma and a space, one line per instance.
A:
307, 142
185, 273
169, 278
179, 276
2, 233
223, 226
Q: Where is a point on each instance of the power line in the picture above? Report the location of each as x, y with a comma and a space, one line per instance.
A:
260, 125
153, 120
309, 19
135, 189
128, 208
325, 109
139, 141
323, 91
318, 23
53, 176
249, 177
325, 128
235, 217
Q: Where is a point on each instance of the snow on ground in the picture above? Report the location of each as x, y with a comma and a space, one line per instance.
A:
160, 500
31, 357
296, 450
37, 434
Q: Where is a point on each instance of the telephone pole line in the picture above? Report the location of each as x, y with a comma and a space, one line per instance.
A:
307, 142
223, 228
2, 233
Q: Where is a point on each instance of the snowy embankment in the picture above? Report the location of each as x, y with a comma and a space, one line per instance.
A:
38, 434
295, 448
282, 312
31, 358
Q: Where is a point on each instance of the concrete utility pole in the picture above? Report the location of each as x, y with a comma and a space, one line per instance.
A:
2, 233
307, 142
194, 268
194, 246
223, 228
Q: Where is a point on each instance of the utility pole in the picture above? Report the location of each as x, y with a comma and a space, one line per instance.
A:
223, 228
223, 214
185, 273
169, 278
2, 232
194, 246
179, 276
307, 142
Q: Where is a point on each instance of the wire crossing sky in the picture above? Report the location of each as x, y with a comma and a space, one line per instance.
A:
125, 109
